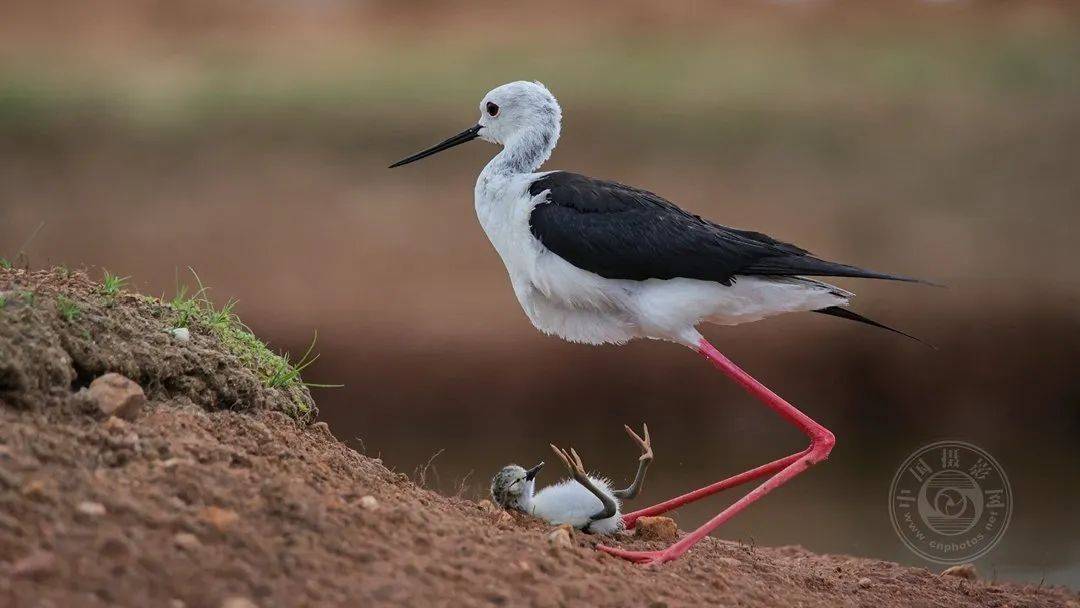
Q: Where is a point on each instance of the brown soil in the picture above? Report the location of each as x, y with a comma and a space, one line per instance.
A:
44, 355
203, 504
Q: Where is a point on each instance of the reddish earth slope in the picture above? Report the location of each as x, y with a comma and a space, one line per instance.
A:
212, 496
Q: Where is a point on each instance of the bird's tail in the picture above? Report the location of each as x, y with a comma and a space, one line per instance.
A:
843, 313
809, 266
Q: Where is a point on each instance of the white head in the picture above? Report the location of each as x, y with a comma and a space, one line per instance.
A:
519, 109
513, 487
522, 116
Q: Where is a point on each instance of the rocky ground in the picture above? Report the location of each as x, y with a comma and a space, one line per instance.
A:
208, 485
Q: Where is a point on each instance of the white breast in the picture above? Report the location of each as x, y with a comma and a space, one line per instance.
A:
559, 298
503, 206
569, 502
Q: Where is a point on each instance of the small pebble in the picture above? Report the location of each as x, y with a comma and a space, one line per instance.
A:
560, 537
368, 502
115, 424
182, 334
116, 395
220, 518
186, 541
730, 562
91, 509
238, 602
865, 582
656, 528
37, 565
965, 571
35, 490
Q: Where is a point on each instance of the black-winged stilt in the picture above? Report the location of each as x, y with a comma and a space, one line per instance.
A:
598, 262
584, 501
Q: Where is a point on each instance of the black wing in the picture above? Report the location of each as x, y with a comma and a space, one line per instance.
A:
620, 232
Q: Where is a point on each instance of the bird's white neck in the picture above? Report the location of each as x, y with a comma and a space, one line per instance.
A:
524, 501
524, 152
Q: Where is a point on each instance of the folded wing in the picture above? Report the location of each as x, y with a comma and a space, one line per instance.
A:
620, 232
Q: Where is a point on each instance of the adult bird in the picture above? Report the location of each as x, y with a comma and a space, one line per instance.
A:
597, 262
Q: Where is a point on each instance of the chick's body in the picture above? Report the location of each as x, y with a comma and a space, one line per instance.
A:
569, 502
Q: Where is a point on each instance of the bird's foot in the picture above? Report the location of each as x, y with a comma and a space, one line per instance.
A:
572, 462
644, 443
644, 558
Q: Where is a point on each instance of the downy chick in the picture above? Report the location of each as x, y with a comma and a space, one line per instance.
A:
584, 501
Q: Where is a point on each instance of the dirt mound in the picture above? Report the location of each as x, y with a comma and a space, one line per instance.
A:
59, 331
190, 505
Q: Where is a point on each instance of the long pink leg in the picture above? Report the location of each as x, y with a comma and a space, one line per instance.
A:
782, 471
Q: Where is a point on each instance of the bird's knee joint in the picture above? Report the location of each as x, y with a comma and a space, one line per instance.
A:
820, 447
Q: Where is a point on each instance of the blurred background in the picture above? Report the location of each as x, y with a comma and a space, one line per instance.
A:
249, 140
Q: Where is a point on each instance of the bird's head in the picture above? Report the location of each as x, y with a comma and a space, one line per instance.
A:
513, 487
518, 108
521, 111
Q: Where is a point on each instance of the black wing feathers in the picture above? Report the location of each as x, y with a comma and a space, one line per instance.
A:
620, 232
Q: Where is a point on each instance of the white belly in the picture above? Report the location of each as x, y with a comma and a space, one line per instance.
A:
577, 305
569, 502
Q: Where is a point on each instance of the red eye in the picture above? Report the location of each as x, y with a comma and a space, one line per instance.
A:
492, 109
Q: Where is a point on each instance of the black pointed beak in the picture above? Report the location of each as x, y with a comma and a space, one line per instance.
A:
467, 135
531, 473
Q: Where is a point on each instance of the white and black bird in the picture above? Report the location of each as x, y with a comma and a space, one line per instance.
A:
596, 261
586, 502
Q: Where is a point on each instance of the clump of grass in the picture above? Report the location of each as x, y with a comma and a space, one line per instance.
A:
5, 263
3, 301
112, 284
186, 307
277, 371
67, 308
284, 372
220, 319
28, 296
